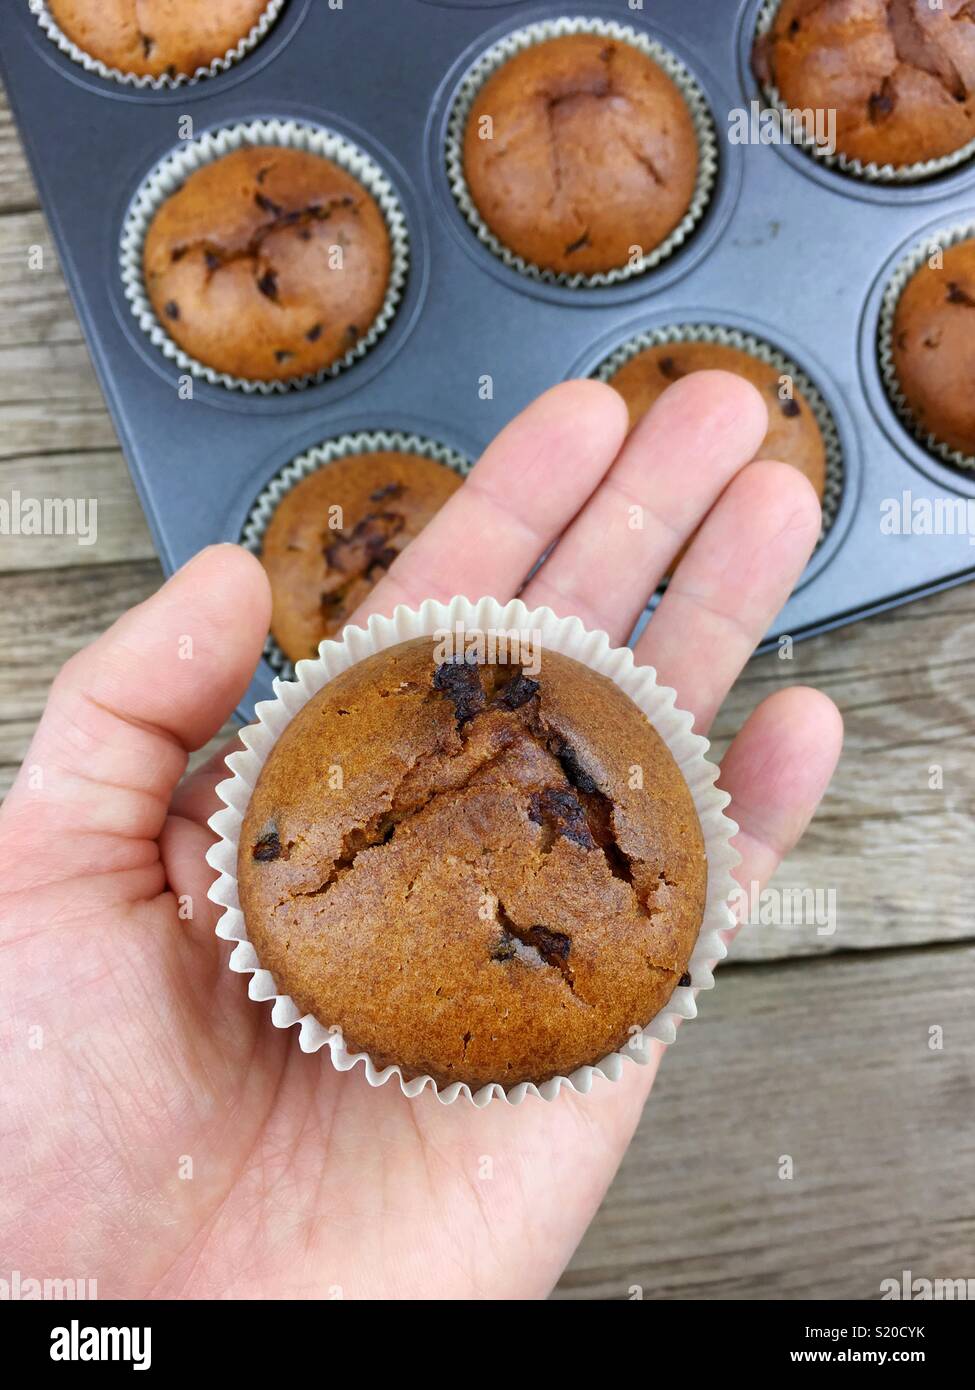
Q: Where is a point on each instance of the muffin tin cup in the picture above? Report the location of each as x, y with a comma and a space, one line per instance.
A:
764, 352
172, 172
97, 68
943, 238
870, 173
516, 42
294, 472
565, 635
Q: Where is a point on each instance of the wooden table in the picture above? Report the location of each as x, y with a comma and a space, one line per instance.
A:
814, 1046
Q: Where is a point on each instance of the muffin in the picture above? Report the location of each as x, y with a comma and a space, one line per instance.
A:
591, 152
268, 264
900, 74
156, 38
481, 895
793, 436
933, 348
334, 535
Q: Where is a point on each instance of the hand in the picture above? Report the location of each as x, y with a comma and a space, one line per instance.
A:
157, 1133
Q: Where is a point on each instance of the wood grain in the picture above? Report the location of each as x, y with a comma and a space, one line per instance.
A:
812, 1045
893, 849
827, 1061
17, 190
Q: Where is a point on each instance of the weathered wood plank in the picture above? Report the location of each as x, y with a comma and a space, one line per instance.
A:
827, 1061
35, 306
893, 849
16, 184
97, 486
33, 428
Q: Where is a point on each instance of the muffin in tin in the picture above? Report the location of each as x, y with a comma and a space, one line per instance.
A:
579, 153
899, 74
269, 263
483, 895
156, 38
794, 435
933, 348
334, 535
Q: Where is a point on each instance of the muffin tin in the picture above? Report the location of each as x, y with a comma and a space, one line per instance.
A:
789, 250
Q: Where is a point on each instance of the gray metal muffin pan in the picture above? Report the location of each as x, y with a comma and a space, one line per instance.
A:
788, 250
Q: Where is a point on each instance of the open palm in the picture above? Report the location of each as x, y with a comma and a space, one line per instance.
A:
157, 1133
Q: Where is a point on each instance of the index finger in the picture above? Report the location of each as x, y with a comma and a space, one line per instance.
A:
525, 489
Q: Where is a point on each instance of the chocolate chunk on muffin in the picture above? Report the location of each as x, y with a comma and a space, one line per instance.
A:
482, 894
933, 347
793, 436
334, 535
579, 149
900, 74
268, 263
156, 38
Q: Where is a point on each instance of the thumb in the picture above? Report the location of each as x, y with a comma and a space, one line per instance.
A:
122, 716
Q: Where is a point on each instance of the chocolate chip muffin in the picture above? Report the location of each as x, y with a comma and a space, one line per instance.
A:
793, 434
335, 534
269, 263
450, 862
933, 346
900, 74
156, 38
579, 149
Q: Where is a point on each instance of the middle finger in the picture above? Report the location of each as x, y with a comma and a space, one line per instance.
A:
669, 473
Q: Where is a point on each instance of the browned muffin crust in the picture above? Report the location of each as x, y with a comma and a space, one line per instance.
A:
485, 897
900, 74
592, 152
793, 436
934, 347
268, 263
335, 534
153, 38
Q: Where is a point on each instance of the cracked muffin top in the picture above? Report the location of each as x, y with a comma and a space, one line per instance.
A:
900, 74
579, 149
335, 534
156, 38
793, 433
457, 866
268, 263
934, 347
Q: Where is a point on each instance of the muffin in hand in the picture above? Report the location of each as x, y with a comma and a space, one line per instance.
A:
475, 873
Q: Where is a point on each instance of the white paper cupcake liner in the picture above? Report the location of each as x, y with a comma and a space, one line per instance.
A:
765, 352
945, 237
173, 171
499, 54
565, 635
870, 173
78, 55
364, 442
